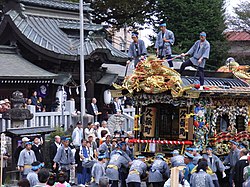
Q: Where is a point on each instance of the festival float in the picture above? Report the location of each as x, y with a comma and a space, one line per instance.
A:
171, 112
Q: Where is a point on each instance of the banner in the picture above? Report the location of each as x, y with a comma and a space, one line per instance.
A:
149, 122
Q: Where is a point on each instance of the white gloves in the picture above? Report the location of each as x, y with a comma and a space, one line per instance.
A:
223, 174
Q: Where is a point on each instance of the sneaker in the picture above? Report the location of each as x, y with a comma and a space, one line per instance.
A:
81, 185
201, 88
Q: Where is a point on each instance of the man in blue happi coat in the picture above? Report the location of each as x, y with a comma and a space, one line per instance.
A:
137, 48
199, 53
164, 40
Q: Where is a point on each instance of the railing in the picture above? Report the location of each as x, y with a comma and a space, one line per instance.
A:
65, 119
52, 119
128, 114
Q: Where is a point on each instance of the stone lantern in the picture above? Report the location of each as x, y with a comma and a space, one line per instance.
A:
17, 114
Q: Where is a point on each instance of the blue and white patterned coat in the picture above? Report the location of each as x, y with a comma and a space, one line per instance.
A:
166, 49
140, 167
158, 169
116, 160
216, 165
198, 50
201, 179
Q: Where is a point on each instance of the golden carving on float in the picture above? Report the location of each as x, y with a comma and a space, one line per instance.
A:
152, 77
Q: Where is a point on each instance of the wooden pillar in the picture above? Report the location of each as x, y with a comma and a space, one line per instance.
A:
136, 126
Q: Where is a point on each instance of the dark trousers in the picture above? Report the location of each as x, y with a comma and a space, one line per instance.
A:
123, 177
230, 180
200, 69
216, 183
158, 184
134, 184
113, 183
170, 62
4, 175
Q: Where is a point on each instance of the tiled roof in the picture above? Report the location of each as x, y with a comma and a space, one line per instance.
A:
46, 33
219, 85
75, 25
238, 36
61, 5
30, 130
13, 66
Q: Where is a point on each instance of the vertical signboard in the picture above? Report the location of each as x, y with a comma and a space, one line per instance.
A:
149, 122
182, 123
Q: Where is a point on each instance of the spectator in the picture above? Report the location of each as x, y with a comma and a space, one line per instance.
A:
37, 148
128, 103
93, 109
29, 102
104, 182
6, 104
79, 168
93, 146
20, 147
239, 167
23, 183
51, 180
62, 180
55, 105
40, 107
53, 150
88, 130
106, 147
6, 156
3, 106
200, 178
77, 134
43, 177
34, 98
246, 170
116, 107
104, 128
231, 159
86, 162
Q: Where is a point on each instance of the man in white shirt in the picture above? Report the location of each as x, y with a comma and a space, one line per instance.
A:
88, 130
103, 127
77, 134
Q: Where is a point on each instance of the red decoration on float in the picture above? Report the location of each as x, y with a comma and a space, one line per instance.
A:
161, 142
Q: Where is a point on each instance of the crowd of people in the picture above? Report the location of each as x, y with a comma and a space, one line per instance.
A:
4, 105
92, 156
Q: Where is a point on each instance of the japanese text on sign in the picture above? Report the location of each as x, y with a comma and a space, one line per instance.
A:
182, 117
149, 122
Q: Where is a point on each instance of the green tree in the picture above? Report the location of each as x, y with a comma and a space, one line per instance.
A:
187, 18
241, 19
118, 13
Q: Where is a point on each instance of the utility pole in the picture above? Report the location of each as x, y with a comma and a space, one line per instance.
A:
82, 71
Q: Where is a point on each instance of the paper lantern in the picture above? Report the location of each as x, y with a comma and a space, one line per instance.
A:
107, 97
